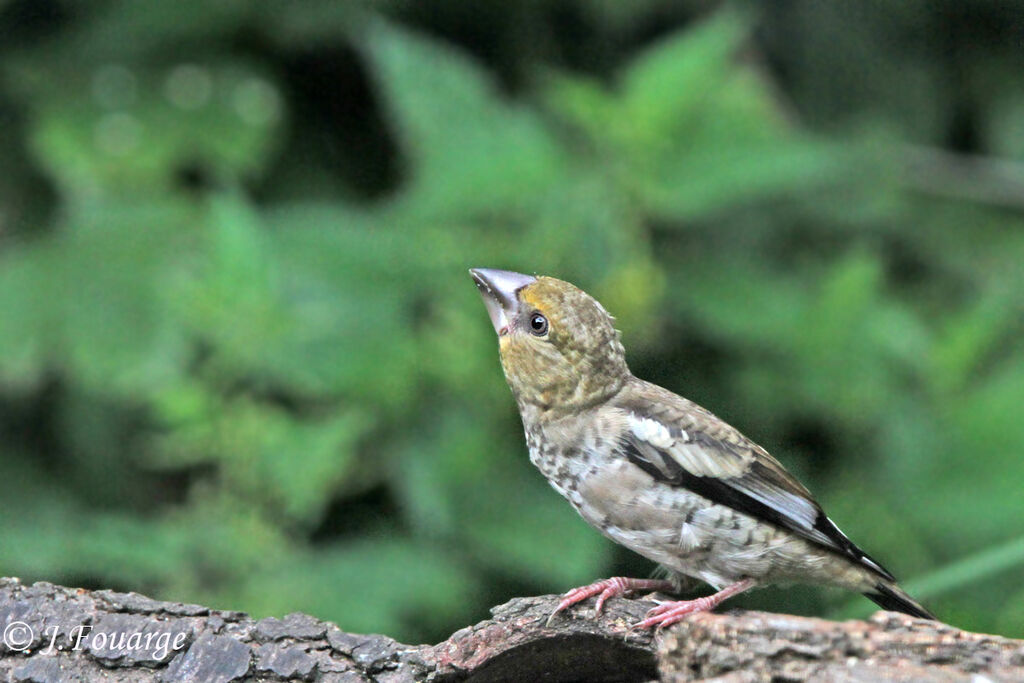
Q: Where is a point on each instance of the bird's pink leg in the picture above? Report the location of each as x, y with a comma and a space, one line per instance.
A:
610, 588
669, 613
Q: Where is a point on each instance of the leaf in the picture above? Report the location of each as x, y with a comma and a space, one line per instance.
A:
521, 527
472, 151
692, 131
152, 125
57, 538
26, 320
973, 569
967, 338
92, 298
982, 425
375, 585
672, 81
291, 466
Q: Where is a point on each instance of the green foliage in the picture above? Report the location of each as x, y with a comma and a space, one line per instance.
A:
230, 374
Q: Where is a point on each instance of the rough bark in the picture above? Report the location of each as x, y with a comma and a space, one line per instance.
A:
757, 646
516, 644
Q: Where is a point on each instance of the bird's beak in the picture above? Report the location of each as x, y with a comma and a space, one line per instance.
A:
498, 289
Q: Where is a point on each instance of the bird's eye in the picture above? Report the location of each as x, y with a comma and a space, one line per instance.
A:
538, 325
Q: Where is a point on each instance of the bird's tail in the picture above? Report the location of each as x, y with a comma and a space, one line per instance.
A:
891, 597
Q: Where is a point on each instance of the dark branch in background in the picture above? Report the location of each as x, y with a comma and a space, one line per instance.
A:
981, 179
515, 645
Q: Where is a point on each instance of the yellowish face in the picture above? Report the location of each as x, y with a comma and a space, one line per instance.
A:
560, 349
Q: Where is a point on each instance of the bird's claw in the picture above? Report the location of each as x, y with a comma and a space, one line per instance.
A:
604, 590
668, 613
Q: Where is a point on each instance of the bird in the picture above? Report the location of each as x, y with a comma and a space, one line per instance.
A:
655, 472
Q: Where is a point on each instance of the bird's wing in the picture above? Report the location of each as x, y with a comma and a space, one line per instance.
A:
694, 449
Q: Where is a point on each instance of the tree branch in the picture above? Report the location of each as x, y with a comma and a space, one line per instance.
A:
52, 633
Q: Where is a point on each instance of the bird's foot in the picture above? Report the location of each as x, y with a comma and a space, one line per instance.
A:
668, 613
609, 588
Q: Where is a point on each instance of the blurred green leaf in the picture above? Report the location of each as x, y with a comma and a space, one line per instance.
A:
393, 585
546, 541
130, 132
472, 151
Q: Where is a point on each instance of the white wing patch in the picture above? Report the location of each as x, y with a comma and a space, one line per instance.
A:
707, 463
651, 431
690, 455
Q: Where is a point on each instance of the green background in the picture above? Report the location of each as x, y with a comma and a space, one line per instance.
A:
242, 363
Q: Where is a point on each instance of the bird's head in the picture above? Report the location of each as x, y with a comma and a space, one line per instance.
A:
559, 349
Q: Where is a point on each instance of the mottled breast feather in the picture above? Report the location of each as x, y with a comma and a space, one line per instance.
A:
730, 470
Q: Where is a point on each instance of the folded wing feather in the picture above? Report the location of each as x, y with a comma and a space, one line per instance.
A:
734, 472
